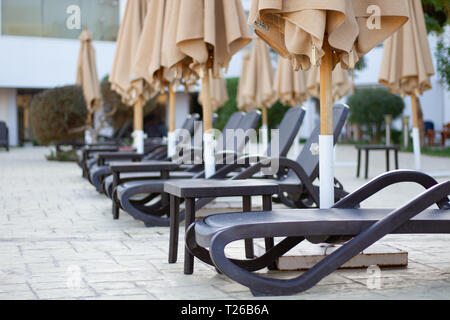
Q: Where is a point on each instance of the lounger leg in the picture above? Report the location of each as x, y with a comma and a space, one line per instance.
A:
174, 228
387, 161
367, 164
115, 207
358, 168
269, 242
190, 218
396, 159
247, 207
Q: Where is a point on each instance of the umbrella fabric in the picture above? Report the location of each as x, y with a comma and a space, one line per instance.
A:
217, 90
211, 32
341, 84
407, 65
127, 43
87, 72
257, 84
290, 85
297, 29
242, 101
158, 62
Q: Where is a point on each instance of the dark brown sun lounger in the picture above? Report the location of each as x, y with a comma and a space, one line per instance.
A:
154, 215
100, 169
345, 222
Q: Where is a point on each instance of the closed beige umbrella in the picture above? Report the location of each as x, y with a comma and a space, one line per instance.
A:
407, 66
257, 85
290, 88
341, 84
87, 78
211, 32
242, 101
158, 63
290, 85
120, 77
326, 32
218, 93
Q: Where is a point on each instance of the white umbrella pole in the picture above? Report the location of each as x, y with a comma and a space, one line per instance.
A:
265, 130
326, 150
208, 135
138, 134
171, 144
416, 132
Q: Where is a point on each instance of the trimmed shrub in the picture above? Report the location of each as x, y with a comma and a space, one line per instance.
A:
369, 106
55, 112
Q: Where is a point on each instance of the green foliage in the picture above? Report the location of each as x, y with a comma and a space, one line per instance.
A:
275, 113
369, 106
55, 112
230, 106
443, 62
436, 15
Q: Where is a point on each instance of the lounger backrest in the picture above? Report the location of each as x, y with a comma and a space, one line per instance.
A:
121, 132
188, 125
288, 130
309, 161
249, 121
232, 124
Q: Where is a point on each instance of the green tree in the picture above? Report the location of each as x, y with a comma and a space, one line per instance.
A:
369, 106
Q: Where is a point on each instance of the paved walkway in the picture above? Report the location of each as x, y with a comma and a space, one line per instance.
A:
58, 241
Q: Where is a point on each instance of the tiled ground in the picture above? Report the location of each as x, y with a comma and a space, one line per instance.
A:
58, 241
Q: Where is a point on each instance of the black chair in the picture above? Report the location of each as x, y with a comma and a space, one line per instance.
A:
99, 168
4, 135
345, 222
153, 215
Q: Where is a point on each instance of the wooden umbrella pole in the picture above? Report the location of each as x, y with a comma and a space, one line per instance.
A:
207, 108
265, 118
326, 143
326, 96
139, 125
415, 114
208, 136
138, 115
172, 136
172, 103
416, 131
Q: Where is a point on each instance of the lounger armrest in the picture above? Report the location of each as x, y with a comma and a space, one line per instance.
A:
104, 157
120, 167
241, 162
387, 179
283, 163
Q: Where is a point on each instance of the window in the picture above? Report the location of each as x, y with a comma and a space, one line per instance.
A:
48, 18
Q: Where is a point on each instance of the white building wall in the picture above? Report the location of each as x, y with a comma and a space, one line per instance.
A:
8, 113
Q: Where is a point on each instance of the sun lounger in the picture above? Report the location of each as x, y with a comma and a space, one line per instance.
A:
100, 169
185, 171
153, 215
360, 228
